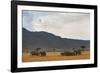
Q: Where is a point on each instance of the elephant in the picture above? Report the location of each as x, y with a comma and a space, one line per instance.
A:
34, 53
43, 53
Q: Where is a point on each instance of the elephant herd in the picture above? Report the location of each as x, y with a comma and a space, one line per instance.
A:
71, 53
65, 53
43, 53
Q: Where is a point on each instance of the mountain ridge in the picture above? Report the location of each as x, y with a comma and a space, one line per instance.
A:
42, 39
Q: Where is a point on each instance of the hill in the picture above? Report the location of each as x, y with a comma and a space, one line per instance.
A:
32, 40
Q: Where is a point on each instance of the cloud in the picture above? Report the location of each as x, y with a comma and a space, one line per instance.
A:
66, 25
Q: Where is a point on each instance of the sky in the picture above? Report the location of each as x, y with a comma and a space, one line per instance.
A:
63, 24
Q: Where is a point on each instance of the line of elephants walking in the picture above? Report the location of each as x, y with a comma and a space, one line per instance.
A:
65, 53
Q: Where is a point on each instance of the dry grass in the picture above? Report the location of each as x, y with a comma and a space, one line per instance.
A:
53, 56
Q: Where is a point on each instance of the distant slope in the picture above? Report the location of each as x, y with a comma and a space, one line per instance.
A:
47, 40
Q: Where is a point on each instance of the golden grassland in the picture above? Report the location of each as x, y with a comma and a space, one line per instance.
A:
54, 56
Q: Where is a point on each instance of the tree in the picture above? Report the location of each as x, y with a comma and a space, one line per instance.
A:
83, 48
54, 49
37, 49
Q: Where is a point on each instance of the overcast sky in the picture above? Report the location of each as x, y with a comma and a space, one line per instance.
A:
65, 25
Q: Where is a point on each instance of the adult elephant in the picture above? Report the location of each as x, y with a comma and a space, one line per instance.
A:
43, 53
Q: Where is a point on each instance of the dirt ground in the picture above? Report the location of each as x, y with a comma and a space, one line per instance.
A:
53, 56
